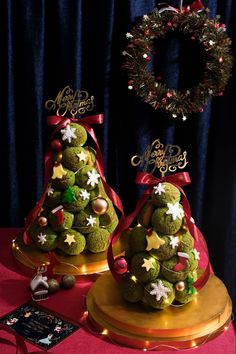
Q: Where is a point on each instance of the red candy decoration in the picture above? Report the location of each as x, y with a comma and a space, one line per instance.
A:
120, 265
56, 145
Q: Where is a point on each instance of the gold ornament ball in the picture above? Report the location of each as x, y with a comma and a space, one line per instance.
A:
68, 281
99, 205
58, 157
180, 286
42, 221
54, 286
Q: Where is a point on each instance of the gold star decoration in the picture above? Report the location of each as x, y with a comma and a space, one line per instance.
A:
153, 241
70, 239
148, 264
82, 156
58, 171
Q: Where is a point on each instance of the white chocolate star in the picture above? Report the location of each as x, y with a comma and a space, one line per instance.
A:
91, 221
70, 239
196, 254
93, 178
174, 241
148, 264
159, 290
159, 189
42, 238
175, 211
84, 194
68, 133
82, 156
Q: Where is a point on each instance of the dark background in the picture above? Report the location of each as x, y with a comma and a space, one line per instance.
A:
46, 45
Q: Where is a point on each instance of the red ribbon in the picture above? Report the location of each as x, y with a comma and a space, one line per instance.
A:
178, 180
60, 122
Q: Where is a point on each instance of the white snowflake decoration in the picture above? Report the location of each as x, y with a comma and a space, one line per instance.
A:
91, 221
175, 211
42, 238
174, 241
50, 191
159, 290
159, 189
84, 194
68, 133
93, 178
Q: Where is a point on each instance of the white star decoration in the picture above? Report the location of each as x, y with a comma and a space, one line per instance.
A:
70, 239
42, 238
84, 194
50, 191
211, 42
82, 156
145, 17
91, 221
174, 241
148, 264
159, 290
129, 35
196, 254
159, 189
68, 133
175, 211
93, 178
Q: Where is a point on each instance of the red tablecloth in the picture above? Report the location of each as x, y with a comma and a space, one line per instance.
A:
14, 292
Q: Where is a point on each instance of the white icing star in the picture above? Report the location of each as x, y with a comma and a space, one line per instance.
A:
70, 239
174, 241
91, 221
68, 133
175, 211
50, 191
159, 290
159, 189
42, 238
84, 194
196, 254
93, 178
148, 264
82, 156
129, 35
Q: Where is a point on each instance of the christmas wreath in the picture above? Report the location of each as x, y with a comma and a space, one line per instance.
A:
217, 60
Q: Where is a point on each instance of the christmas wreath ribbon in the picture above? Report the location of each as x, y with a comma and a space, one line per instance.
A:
60, 122
178, 180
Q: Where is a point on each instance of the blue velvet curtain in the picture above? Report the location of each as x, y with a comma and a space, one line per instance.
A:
46, 45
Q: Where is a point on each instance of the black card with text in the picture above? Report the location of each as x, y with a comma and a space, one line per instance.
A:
38, 325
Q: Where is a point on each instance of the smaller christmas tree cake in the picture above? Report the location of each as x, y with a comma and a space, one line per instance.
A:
161, 261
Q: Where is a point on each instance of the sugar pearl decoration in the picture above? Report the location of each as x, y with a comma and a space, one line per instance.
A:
99, 205
180, 286
42, 221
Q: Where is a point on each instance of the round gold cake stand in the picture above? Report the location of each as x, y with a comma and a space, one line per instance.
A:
182, 327
85, 264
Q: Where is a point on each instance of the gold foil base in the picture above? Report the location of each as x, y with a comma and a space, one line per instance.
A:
135, 326
30, 257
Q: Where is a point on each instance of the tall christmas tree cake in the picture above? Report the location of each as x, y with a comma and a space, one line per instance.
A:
160, 292
75, 216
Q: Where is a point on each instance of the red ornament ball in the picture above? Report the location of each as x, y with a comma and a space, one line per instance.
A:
56, 145
121, 265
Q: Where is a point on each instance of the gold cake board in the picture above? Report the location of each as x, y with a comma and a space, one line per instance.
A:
30, 257
183, 327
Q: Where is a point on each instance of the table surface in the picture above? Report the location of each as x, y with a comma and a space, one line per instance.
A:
14, 288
